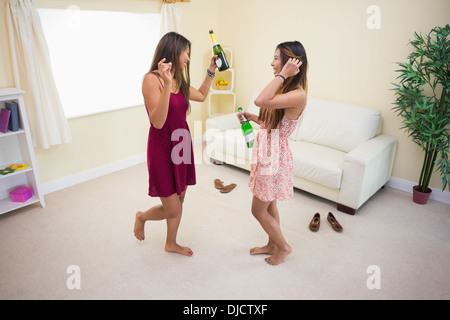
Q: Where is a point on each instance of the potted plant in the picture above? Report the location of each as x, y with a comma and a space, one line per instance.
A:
423, 100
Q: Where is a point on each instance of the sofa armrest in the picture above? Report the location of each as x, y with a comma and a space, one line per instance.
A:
366, 169
223, 122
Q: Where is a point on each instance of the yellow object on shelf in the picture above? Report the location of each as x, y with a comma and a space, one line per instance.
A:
19, 166
221, 84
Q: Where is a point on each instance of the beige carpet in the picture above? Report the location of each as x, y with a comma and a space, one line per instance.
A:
91, 226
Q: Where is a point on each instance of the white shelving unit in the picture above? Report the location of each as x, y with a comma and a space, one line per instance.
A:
227, 75
17, 148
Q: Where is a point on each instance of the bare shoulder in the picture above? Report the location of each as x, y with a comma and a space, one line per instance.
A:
151, 90
151, 81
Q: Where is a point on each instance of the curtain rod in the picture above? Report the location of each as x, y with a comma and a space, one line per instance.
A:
173, 1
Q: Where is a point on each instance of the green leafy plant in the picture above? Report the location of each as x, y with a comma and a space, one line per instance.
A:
423, 101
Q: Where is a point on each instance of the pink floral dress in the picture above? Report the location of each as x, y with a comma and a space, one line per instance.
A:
272, 170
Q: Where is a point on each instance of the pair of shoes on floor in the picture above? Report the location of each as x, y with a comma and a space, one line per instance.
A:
315, 223
223, 189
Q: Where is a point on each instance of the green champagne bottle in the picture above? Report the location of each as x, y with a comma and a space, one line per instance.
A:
222, 62
247, 130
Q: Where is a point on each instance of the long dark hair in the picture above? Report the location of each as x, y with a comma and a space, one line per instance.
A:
290, 49
171, 46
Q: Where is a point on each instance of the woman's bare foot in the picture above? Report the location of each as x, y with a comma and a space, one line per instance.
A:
176, 248
267, 249
139, 232
279, 255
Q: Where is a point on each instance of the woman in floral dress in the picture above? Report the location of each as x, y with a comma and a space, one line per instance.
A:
281, 103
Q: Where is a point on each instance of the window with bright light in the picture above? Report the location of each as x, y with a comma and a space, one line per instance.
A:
99, 58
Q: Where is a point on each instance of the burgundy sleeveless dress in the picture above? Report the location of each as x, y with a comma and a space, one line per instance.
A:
170, 157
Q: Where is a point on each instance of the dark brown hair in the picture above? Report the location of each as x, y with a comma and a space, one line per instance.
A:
171, 46
290, 49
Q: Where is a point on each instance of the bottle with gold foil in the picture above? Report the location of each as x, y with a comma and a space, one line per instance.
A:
221, 62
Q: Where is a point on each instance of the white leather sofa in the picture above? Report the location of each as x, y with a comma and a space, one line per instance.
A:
338, 151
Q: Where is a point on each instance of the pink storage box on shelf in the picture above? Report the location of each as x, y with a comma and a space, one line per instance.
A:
21, 194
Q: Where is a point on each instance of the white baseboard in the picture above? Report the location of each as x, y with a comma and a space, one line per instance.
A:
87, 175
406, 186
98, 172
49, 187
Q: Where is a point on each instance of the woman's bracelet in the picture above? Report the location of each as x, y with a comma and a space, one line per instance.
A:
281, 77
211, 74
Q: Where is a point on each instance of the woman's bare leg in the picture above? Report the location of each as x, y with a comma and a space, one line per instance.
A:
270, 247
170, 210
172, 230
271, 226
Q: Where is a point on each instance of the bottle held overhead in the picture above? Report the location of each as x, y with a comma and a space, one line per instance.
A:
247, 130
221, 62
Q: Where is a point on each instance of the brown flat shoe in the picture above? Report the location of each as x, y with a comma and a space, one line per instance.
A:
228, 188
334, 224
218, 184
315, 223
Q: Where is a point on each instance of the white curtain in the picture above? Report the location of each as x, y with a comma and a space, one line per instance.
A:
33, 73
170, 19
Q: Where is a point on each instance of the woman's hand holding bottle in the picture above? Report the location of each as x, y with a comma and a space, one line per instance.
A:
242, 115
212, 66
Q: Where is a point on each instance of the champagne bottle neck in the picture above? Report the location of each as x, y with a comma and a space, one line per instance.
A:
213, 39
244, 119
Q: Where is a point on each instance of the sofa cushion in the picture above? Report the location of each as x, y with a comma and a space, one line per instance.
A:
316, 163
338, 125
231, 142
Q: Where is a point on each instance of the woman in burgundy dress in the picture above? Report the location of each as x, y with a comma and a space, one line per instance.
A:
166, 89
